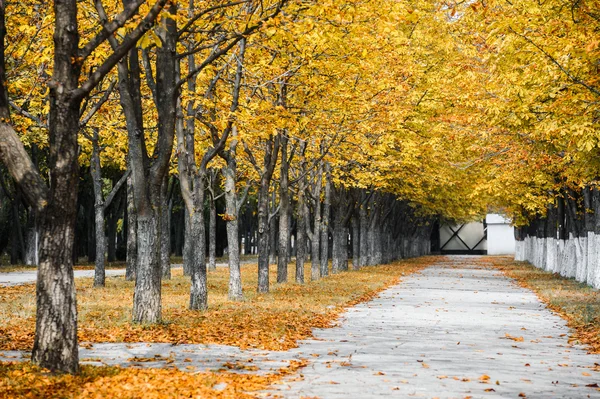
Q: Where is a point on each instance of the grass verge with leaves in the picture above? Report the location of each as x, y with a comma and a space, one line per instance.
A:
270, 321
24, 380
273, 321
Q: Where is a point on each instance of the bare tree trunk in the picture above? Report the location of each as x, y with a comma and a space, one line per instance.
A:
55, 344
355, 242
165, 236
232, 225
32, 240
99, 272
270, 159
131, 263
300, 234
364, 235
198, 291
284, 213
315, 237
212, 236
325, 222
212, 221
273, 228
147, 294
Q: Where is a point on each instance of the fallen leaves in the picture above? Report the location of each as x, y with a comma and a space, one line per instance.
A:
275, 321
24, 380
516, 339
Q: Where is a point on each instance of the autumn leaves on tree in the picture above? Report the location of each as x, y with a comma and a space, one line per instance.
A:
337, 127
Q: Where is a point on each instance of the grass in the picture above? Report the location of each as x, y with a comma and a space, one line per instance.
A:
577, 303
273, 321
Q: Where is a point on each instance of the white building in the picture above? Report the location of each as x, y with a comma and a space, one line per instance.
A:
500, 235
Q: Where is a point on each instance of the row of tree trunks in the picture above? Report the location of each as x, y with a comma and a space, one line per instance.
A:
566, 240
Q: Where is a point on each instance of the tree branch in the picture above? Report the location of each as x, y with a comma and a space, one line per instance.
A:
128, 42
20, 167
28, 115
148, 73
567, 73
116, 188
204, 12
84, 121
108, 29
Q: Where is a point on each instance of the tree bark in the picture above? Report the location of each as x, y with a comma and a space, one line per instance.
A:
273, 218
355, 242
198, 290
284, 212
325, 222
165, 235
364, 231
99, 272
55, 344
147, 294
212, 222
232, 222
131, 262
315, 235
301, 232
271, 147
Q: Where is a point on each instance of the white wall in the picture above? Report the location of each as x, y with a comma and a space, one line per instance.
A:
500, 235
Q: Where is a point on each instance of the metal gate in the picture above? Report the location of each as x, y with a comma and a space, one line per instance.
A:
464, 239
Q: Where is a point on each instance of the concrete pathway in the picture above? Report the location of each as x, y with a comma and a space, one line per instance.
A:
453, 331
30, 276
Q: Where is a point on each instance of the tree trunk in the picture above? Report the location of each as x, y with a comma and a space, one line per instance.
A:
212, 224
198, 290
273, 218
165, 234
55, 344
263, 236
364, 233
337, 251
147, 296
131, 263
270, 159
188, 246
355, 243
99, 272
325, 223
111, 232
232, 225
284, 213
147, 293
212, 236
315, 237
300, 234
32, 240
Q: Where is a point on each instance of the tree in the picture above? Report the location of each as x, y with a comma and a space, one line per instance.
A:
55, 345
